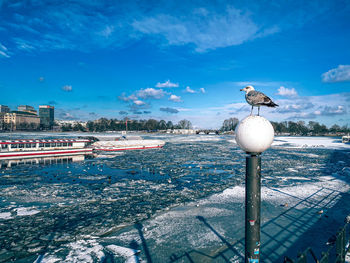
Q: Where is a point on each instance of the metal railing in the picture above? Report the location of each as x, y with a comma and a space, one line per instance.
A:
341, 243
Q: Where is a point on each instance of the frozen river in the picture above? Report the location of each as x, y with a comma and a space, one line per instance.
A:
182, 203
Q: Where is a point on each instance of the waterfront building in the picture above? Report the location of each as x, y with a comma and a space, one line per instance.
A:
21, 120
70, 122
4, 109
47, 116
2, 121
26, 108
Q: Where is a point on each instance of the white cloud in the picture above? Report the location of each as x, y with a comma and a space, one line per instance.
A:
23, 45
87, 25
167, 84
189, 90
202, 90
175, 98
282, 91
295, 106
335, 110
207, 29
107, 31
66, 116
169, 110
4, 54
4, 51
2, 47
151, 93
183, 109
139, 102
67, 88
123, 97
339, 74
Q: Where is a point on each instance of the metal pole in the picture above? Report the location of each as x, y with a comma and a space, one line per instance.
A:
252, 208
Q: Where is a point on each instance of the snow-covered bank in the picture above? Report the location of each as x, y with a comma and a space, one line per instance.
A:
310, 142
306, 142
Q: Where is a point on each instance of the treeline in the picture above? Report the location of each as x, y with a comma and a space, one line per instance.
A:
312, 128
294, 128
104, 124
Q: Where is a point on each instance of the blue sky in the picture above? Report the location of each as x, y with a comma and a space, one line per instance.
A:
166, 60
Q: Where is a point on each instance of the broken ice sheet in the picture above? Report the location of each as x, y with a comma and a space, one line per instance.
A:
100, 196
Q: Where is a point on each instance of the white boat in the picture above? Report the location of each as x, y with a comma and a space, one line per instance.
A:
14, 149
126, 143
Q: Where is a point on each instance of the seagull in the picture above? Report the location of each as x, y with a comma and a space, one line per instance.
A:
257, 98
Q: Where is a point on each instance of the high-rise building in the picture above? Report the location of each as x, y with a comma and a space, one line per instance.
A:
4, 109
26, 108
47, 116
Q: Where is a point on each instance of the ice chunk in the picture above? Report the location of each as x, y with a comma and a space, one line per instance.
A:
26, 211
5, 215
122, 251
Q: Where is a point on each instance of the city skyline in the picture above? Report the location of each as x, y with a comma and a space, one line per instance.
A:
163, 61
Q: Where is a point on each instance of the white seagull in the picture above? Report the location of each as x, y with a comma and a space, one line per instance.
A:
257, 98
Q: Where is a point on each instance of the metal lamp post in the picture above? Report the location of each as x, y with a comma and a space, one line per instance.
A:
254, 134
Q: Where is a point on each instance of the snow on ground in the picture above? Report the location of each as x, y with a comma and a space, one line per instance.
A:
306, 142
80, 251
310, 142
201, 229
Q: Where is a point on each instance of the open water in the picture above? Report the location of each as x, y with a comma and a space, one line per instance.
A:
181, 203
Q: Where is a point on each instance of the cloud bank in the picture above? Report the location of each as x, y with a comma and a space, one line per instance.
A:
169, 110
339, 74
167, 84
282, 91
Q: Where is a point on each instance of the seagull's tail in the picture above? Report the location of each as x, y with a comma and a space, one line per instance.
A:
272, 104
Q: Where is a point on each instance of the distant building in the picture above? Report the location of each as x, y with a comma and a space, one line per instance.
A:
21, 120
26, 108
70, 122
4, 109
47, 116
2, 121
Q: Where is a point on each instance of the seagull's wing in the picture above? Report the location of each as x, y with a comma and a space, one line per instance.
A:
257, 98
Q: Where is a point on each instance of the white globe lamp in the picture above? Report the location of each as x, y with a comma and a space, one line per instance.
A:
254, 134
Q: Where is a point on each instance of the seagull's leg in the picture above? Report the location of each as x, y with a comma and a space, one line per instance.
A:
258, 110
251, 111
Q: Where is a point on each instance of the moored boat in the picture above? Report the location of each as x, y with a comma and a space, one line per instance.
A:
13, 149
126, 143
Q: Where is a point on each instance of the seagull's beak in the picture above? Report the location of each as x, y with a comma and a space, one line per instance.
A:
241, 90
